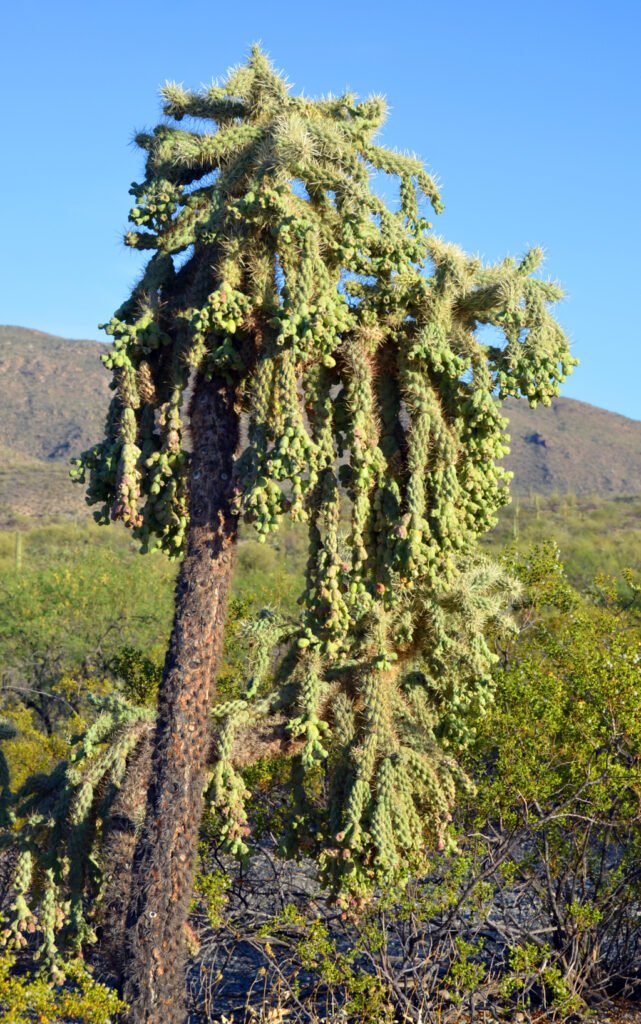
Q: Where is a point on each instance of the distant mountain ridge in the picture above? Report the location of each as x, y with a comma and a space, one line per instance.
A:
54, 396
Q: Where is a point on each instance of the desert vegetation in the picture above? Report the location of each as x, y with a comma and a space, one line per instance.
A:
534, 905
357, 740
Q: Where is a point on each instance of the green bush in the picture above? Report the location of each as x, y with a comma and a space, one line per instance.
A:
79, 1000
75, 603
558, 765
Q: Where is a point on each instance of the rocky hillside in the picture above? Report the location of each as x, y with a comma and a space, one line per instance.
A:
55, 394
573, 447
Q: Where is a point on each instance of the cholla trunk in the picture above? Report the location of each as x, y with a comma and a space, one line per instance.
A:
121, 828
154, 982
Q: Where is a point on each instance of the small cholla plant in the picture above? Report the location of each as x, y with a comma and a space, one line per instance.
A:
282, 288
68, 819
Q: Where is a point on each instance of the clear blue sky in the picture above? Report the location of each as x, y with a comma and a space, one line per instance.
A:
528, 113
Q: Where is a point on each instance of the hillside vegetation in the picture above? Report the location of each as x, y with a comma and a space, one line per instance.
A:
595, 535
34, 491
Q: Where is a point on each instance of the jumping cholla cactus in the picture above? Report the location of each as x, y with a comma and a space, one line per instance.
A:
285, 289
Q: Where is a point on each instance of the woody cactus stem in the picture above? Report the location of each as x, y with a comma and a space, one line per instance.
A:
123, 818
161, 887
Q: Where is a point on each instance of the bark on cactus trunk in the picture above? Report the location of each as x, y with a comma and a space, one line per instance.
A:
121, 828
154, 981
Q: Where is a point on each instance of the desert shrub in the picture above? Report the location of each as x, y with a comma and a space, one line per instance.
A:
272, 574
558, 765
138, 674
80, 1000
26, 750
594, 534
67, 613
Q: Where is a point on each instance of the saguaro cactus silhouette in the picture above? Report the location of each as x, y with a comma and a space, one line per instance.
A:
283, 288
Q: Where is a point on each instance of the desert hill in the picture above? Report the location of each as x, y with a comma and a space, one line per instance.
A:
54, 393
572, 446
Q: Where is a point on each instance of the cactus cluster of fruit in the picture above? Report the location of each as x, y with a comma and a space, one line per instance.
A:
349, 334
